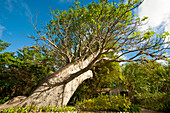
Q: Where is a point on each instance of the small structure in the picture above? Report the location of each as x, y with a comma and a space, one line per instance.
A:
104, 90
117, 90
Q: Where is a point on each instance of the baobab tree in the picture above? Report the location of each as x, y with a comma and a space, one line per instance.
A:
82, 36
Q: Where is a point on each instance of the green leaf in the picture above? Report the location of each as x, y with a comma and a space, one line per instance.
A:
145, 18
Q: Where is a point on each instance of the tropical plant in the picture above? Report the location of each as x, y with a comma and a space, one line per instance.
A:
145, 77
156, 101
149, 83
21, 72
108, 103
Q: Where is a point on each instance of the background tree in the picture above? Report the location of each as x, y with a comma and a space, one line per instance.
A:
145, 77
149, 84
164, 73
21, 72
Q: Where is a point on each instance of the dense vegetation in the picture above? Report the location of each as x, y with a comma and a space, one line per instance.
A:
148, 82
108, 103
21, 72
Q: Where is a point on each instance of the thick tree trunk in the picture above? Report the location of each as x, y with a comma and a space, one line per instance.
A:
54, 91
58, 88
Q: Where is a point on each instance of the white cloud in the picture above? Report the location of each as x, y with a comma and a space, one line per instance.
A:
27, 10
158, 12
18, 7
9, 33
9, 5
66, 0
2, 28
163, 62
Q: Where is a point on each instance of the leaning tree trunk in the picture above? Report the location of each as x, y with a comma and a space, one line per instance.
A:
58, 88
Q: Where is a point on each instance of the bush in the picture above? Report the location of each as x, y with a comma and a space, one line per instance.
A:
134, 108
166, 106
106, 103
155, 101
35, 109
3, 100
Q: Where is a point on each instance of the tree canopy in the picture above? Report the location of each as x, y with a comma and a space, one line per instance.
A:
98, 29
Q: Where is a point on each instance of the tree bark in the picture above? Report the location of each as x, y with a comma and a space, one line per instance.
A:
58, 88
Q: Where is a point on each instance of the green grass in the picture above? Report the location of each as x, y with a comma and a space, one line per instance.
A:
36, 109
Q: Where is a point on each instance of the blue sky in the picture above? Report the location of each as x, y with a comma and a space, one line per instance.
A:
16, 14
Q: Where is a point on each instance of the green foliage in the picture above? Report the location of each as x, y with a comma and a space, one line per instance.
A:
81, 31
166, 106
21, 72
105, 75
150, 84
148, 35
156, 101
143, 19
3, 45
108, 103
4, 99
36, 109
164, 73
146, 77
134, 108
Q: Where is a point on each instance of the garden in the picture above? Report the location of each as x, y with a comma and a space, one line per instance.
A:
92, 39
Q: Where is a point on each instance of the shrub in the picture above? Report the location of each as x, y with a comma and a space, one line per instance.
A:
166, 106
3, 100
106, 103
155, 101
35, 109
134, 108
